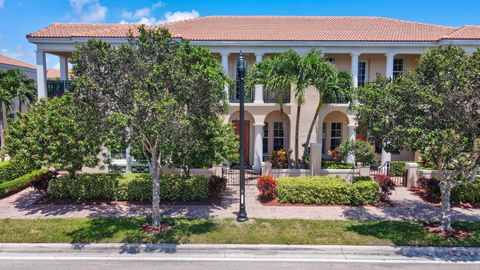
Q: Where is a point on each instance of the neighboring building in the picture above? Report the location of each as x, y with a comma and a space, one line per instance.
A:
365, 46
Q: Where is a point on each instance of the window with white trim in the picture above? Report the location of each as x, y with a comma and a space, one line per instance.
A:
278, 136
324, 137
397, 67
335, 135
362, 73
265, 141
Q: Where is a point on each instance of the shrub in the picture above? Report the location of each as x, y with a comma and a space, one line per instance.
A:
397, 168
267, 186
362, 150
20, 182
40, 183
325, 190
386, 185
12, 169
361, 179
330, 164
216, 185
128, 187
279, 159
469, 193
431, 187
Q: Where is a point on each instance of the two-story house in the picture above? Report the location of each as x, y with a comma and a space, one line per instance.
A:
365, 46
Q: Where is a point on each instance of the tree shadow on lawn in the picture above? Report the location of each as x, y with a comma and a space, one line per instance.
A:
416, 241
129, 231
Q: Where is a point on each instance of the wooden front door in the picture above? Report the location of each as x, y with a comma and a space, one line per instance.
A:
236, 129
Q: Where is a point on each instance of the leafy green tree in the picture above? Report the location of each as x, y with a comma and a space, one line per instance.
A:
362, 151
435, 110
56, 133
156, 88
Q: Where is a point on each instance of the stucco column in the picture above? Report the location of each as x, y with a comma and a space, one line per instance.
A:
258, 87
412, 174
258, 146
386, 156
351, 133
41, 74
128, 161
354, 68
224, 59
63, 68
315, 158
389, 66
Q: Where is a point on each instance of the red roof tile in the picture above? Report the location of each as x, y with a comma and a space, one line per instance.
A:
14, 62
275, 28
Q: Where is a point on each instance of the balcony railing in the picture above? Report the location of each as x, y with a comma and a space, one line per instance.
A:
56, 88
234, 96
273, 97
336, 101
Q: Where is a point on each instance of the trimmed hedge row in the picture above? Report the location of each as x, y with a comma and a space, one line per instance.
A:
10, 170
128, 187
20, 182
469, 193
328, 164
397, 168
326, 190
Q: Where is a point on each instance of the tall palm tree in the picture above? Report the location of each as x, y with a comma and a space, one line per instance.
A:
14, 83
277, 75
332, 86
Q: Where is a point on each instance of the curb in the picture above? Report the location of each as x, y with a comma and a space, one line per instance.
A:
243, 251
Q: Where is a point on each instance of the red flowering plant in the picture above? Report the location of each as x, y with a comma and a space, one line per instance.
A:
386, 185
267, 185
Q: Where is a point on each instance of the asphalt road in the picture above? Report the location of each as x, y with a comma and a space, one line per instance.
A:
231, 265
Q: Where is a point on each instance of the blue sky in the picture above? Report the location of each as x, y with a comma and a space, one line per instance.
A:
20, 17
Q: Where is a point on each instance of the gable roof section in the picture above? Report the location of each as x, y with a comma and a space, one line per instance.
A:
276, 28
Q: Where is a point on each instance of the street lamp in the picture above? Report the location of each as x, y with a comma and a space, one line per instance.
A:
241, 71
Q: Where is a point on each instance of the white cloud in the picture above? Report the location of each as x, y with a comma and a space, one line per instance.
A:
17, 54
145, 15
88, 11
2, 3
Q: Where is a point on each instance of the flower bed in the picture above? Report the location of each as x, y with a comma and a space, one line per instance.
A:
131, 187
326, 190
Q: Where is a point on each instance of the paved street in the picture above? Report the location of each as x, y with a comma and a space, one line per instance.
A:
169, 256
406, 207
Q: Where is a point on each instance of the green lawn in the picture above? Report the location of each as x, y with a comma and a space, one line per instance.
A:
209, 231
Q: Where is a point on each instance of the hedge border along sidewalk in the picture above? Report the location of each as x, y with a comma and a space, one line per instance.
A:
18, 183
10, 170
129, 187
326, 190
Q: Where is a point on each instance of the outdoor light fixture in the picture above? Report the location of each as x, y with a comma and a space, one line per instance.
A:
241, 71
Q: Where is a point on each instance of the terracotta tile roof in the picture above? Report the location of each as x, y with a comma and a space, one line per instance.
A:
465, 32
5, 60
275, 28
53, 73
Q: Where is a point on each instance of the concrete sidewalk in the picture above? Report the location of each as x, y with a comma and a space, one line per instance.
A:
238, 252
406, 207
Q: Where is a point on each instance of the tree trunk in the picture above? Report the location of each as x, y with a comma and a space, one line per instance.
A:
297, 127
155, 173
310, 130
446, 188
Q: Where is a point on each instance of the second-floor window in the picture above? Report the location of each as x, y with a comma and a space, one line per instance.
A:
278, 136
397, 67
362, 73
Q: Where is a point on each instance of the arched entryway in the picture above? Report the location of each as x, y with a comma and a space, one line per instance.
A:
234, 119
334, 130
276, 133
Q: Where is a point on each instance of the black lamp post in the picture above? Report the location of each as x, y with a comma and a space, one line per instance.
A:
241, 71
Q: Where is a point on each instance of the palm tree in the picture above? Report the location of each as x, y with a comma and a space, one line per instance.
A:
332, 86
13, 83
277, 75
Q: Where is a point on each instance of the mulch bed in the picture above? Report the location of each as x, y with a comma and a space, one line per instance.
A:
275, 202
422, 193
456, 233
51, 201
164, 226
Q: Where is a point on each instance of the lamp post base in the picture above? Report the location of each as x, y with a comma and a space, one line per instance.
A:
242, 216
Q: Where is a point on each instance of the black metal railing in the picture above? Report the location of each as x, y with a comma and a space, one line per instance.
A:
56, 88
338, 100
234, 96
273, 96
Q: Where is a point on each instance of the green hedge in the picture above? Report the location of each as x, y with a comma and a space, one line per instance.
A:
326, 190
129, 187
10, 170
20, 182
397, 168
328, 164
469, 193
